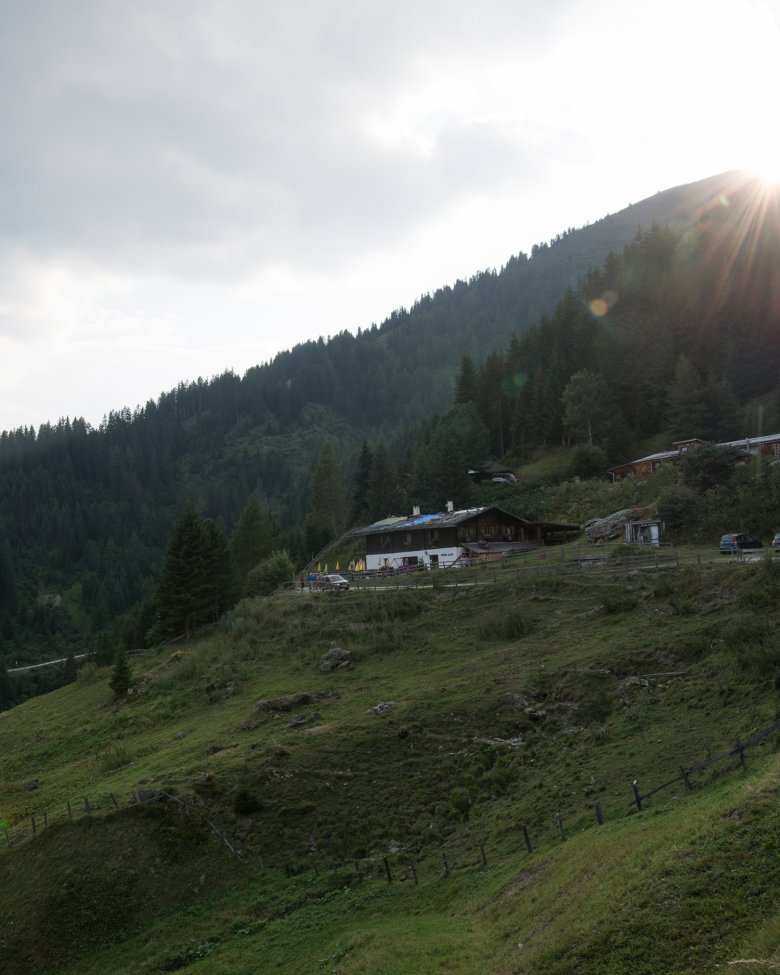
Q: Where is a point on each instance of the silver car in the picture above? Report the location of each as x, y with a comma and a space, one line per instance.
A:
331, 581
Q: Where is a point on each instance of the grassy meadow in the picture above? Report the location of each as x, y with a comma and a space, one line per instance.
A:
468, 713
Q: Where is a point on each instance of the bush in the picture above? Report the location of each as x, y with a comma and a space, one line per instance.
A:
117, 756
587, 461
245, 803
511, 626
679, 508
269, 574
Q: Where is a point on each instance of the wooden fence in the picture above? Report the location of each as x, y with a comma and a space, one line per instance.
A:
401, 864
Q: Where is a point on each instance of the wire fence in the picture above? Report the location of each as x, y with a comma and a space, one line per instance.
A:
400, 863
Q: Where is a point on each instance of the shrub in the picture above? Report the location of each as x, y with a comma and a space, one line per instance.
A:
245, 803
678, 508
587, 461
117, 756
513, 625
618, 602
269, 574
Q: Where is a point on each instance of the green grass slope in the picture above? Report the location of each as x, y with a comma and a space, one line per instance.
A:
468, 714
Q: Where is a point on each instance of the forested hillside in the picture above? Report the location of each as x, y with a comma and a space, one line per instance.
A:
674, 336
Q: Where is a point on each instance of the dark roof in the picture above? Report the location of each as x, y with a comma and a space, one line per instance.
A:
445, 519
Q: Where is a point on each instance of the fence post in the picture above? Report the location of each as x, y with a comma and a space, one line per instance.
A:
560, 827
599, 813
446, 865
741, 751
686, 778
637, 797
387, 871
32, 819
527, 839
482, 851
414, 872
45, 817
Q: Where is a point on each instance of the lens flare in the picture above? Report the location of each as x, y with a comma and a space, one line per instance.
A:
600, 306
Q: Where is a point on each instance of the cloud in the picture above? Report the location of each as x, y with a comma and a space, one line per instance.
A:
210, 137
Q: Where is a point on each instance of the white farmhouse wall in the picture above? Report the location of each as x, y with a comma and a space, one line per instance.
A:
395, 559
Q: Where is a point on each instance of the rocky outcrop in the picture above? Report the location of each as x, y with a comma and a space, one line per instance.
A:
612, 527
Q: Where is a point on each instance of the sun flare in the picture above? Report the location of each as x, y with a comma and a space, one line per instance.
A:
767, 166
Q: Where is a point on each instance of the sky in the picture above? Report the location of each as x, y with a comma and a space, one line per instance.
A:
191, 186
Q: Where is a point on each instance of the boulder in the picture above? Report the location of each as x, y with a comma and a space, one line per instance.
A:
335, 659
612, 527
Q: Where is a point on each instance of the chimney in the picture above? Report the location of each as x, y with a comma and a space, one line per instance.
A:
450, 507
415, 511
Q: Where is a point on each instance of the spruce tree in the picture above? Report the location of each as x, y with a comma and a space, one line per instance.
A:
121, 675
383, 494
466, 382
686, 406
196, 583
253, 538
361, 485
328, 500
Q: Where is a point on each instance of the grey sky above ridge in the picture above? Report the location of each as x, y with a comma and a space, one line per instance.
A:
194, 186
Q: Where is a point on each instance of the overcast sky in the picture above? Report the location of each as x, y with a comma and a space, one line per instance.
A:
190, 186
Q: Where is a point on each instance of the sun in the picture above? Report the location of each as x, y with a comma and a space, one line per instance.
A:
765, 163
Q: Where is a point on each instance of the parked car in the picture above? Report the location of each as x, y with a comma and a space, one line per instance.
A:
776, 542
737, 541
331, 581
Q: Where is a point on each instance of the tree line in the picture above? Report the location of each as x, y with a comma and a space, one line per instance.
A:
673, 337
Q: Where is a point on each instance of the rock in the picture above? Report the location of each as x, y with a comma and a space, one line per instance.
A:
630, 684
382, 707
205, 784
535, 714
500, 742
287, 703
30, 786
335, 659
297, 720
612, 527
150, 795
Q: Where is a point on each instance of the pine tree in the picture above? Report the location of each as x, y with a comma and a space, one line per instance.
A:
253, 538
686, 407
121, 675
466, 382
361, 485
328, 500
196, 584
383, 494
